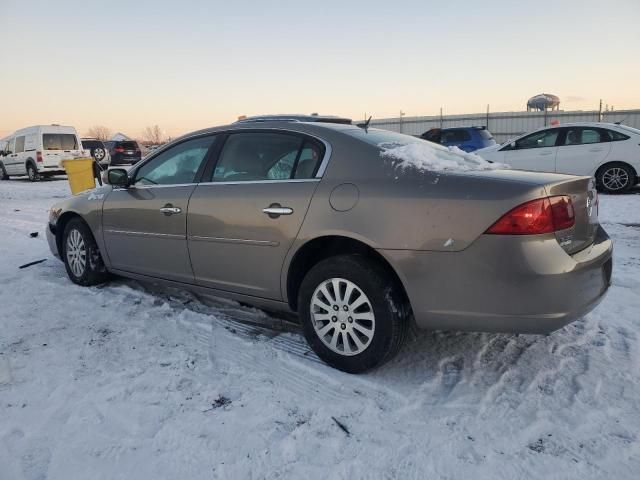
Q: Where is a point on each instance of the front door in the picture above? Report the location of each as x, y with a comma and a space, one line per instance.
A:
536, 152
145, 225
242, 223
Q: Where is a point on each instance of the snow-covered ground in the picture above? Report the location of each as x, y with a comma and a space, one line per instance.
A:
129, 381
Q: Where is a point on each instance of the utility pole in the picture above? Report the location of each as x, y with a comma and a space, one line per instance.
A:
441, 121
600, 112
401, 115
487, 122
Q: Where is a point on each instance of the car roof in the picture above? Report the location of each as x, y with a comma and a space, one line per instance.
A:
297, 118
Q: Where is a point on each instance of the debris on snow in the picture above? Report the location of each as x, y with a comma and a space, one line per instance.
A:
341, 425
32, 263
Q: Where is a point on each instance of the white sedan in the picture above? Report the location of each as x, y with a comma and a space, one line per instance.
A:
608, 151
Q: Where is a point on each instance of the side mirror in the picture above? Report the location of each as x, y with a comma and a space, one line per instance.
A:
118, 177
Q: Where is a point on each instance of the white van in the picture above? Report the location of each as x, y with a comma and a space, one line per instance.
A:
39, 151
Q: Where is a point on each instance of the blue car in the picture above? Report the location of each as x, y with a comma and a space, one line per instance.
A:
468, 139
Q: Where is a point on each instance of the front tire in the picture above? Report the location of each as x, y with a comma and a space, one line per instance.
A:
615, 178
81, 255
353, 315
3, 173
32, 173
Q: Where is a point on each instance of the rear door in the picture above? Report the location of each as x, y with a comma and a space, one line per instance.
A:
145, 225
536, 152
242, 223
583, 150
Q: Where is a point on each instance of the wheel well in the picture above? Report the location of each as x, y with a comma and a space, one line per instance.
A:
609, 164
61, 224
321, 248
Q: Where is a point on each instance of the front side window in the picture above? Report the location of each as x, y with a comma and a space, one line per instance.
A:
263, 156
584, 136
59, 141
546, 138
177, 165
11, 146
19, 144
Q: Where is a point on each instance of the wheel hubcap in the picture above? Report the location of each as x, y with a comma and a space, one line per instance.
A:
615, 178
342, 316
76, 253
99, 154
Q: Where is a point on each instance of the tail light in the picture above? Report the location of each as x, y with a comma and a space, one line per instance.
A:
544, 215
119, 149
39, 157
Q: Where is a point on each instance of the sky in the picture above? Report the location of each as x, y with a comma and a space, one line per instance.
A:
194, 64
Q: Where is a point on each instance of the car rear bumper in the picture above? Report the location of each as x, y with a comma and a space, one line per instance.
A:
520, 284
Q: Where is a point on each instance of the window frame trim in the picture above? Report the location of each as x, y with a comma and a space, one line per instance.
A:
213, 154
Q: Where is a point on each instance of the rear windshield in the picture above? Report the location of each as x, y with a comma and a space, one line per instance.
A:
91, 143
128, 145
375, 136
630, 129
59, 141
485, 134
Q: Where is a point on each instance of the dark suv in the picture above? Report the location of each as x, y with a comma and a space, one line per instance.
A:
124, 152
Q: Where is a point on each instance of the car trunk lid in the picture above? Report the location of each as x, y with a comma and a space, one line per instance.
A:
584, 198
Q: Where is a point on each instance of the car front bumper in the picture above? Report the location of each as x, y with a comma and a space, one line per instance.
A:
51, 240
519, 284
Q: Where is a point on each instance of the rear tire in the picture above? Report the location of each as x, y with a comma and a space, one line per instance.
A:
32, 173
365, 321
615, 178
81, 255
3, 173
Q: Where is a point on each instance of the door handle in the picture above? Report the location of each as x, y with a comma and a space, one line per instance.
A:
545, 153
169, 209
275, 210
595, 149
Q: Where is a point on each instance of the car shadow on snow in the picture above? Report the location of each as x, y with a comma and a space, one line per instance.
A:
437, 364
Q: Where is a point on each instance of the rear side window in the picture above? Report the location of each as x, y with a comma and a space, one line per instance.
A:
19, 144
59, 141
259, 156
585, 136
617, 136
455, 136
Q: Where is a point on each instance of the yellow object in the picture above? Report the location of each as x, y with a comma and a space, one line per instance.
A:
80, 174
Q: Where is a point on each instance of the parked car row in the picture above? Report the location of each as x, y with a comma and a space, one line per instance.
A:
606, 151
38, 151
609, 152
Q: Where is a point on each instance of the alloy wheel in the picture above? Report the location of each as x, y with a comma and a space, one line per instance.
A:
615, 178
342, 316
98, 154
76, 253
